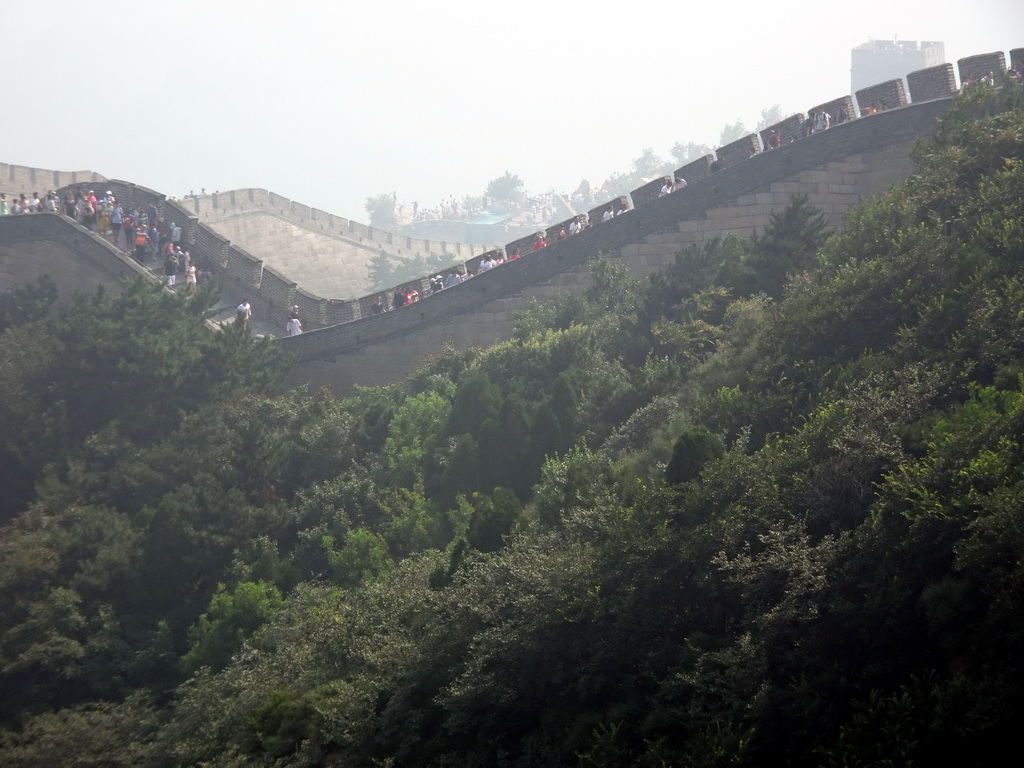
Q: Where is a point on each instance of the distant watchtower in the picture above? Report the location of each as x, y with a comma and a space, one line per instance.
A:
878, 61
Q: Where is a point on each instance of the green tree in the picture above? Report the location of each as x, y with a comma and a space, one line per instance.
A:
769, 116
694, 448
415, 432
363, 556
690, 151
645, 168
232, 617
493, 518
382, 211
27, 303
789, 244
507, 188
732, 132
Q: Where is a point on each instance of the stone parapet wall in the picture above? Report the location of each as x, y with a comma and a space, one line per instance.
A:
837, 168
244, 270
694, 171
522, 245
276, 294
739, 150
790, 129
175, 212
212, 207
890, 95
937, 82
211, 250
649, 191
596, 215
23, 179
76, 259
337, 311
840, 110
977, 67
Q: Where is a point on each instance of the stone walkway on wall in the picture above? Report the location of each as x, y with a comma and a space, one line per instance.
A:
225, 310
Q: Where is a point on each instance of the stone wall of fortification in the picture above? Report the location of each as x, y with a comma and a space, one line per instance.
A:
977, 67
21, 179
210, 208
739, 150
888, 95
836, 169
347, 345
936, 82
76, 259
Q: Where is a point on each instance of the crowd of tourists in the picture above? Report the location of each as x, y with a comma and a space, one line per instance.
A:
136, 230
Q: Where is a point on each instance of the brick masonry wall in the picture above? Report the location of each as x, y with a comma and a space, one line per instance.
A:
51, 244
313, 310
213, 207
211, 249
473, 264
694, 171
836, 169
522, 246
23, 179
976, 67
937, 82
841, 109
790, 129
243, 270
338, 311
649, 191
889, 94
739, 150
596, 215
277, 295
176, 213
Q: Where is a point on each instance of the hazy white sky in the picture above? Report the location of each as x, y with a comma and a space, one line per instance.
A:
328, 102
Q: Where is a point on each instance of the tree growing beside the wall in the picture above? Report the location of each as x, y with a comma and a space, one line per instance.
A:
507, 188
382, 211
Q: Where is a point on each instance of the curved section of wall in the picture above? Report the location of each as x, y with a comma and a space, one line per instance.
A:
329, 255
344, 344
22, 179
75, 258
324, 265
837, 169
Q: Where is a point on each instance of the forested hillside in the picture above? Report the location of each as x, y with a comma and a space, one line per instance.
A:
766, 508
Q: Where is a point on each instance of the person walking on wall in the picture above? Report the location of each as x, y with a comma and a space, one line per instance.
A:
244, 313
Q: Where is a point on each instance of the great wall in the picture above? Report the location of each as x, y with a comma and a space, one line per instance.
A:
345, 344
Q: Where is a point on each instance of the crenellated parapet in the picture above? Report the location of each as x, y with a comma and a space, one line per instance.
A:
840, 110
695, 170
738, 151
222, 205
789, 130
937, 82
888, 95
23, 179
650, 191
837, 168
976, 67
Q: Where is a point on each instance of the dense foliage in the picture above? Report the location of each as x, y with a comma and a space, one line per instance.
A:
766, 508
